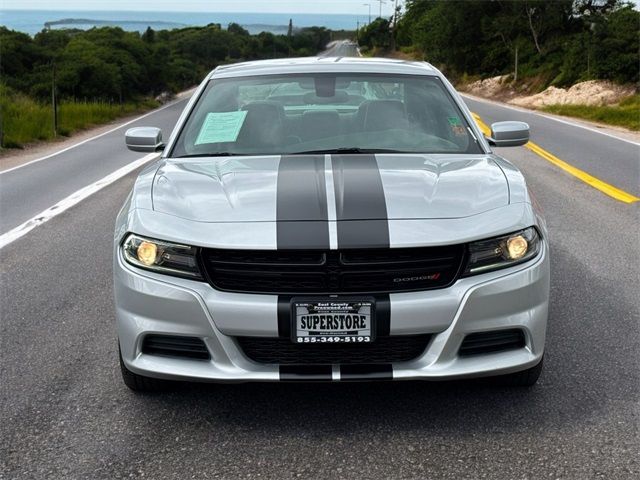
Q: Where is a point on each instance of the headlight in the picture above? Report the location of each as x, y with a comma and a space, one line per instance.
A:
159, 256
502, 252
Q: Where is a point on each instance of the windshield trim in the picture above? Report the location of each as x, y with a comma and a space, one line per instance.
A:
210, 81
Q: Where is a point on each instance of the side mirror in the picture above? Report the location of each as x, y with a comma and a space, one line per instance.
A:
509, 134
144, 139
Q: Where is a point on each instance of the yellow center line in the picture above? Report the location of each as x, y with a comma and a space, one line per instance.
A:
484, 128
596, 183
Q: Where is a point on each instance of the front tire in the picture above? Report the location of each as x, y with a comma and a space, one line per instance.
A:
140, 383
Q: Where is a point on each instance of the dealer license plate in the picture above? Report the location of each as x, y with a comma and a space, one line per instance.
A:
332, 321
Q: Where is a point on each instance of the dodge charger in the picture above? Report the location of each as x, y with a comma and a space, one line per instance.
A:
329, 219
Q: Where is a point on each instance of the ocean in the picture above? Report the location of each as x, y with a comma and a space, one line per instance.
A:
33, 21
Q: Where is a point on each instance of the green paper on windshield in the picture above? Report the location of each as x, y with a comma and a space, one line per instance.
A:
221, 127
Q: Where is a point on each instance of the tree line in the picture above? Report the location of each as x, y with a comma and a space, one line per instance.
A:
560, 42
110, 64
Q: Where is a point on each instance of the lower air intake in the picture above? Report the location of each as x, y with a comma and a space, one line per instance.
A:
491, 342
383, 350
175, 346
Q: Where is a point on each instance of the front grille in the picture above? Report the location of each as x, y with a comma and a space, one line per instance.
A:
491, 342
175, 346
382, 350
332, 272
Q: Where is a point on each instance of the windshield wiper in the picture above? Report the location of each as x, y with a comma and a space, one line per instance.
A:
326, 151
347, 150
212, 154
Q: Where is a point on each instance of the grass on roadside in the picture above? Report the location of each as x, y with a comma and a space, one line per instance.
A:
625, 114
25, 120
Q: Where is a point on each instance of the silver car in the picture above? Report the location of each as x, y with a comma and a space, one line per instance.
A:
329, 219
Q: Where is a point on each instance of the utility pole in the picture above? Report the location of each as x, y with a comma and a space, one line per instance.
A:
1, 129
54, 99
381, 2
394, 25
592, 27
368, 5
515, 75
290, 36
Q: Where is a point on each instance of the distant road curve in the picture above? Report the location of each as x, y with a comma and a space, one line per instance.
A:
341, 48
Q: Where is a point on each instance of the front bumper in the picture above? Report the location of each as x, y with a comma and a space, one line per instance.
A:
513, 298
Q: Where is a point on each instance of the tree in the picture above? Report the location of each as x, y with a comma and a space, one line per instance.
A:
616, 45
559, 42
149, 36
236, 29
377, 34
84, 72
18, 54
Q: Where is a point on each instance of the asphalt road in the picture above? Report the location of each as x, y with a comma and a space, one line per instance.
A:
64, 412
609, 159
27, 191
341, 48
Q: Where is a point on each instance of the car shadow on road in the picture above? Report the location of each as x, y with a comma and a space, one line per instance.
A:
588, 369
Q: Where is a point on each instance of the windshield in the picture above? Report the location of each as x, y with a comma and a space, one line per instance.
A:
325, 113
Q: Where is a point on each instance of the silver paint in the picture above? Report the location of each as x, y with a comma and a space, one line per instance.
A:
441, 186
231, 203
223, 189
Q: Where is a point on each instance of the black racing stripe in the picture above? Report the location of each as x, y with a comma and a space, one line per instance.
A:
383, 315
301, 208
305, 372
366, 372
363, 234
301, 214
284, 316
361, 209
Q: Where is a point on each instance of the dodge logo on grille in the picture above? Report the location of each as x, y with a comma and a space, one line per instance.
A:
433, 276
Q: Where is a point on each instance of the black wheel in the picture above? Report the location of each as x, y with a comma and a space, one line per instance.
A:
140, 383
525, 378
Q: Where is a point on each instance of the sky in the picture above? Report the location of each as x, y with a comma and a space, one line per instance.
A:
266, 6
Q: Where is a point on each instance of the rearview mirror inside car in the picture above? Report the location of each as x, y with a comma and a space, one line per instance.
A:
144, 139
509, 134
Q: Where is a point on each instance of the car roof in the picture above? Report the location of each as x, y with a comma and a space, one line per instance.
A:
324, 64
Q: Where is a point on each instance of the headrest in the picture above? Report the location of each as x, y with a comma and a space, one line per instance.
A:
263, 126
384, 115
265, 108
320, 124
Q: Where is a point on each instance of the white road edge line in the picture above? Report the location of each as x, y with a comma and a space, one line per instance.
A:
73, 199
550, 117
91, 138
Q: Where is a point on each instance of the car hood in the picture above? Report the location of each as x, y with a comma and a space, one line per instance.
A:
351, 187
